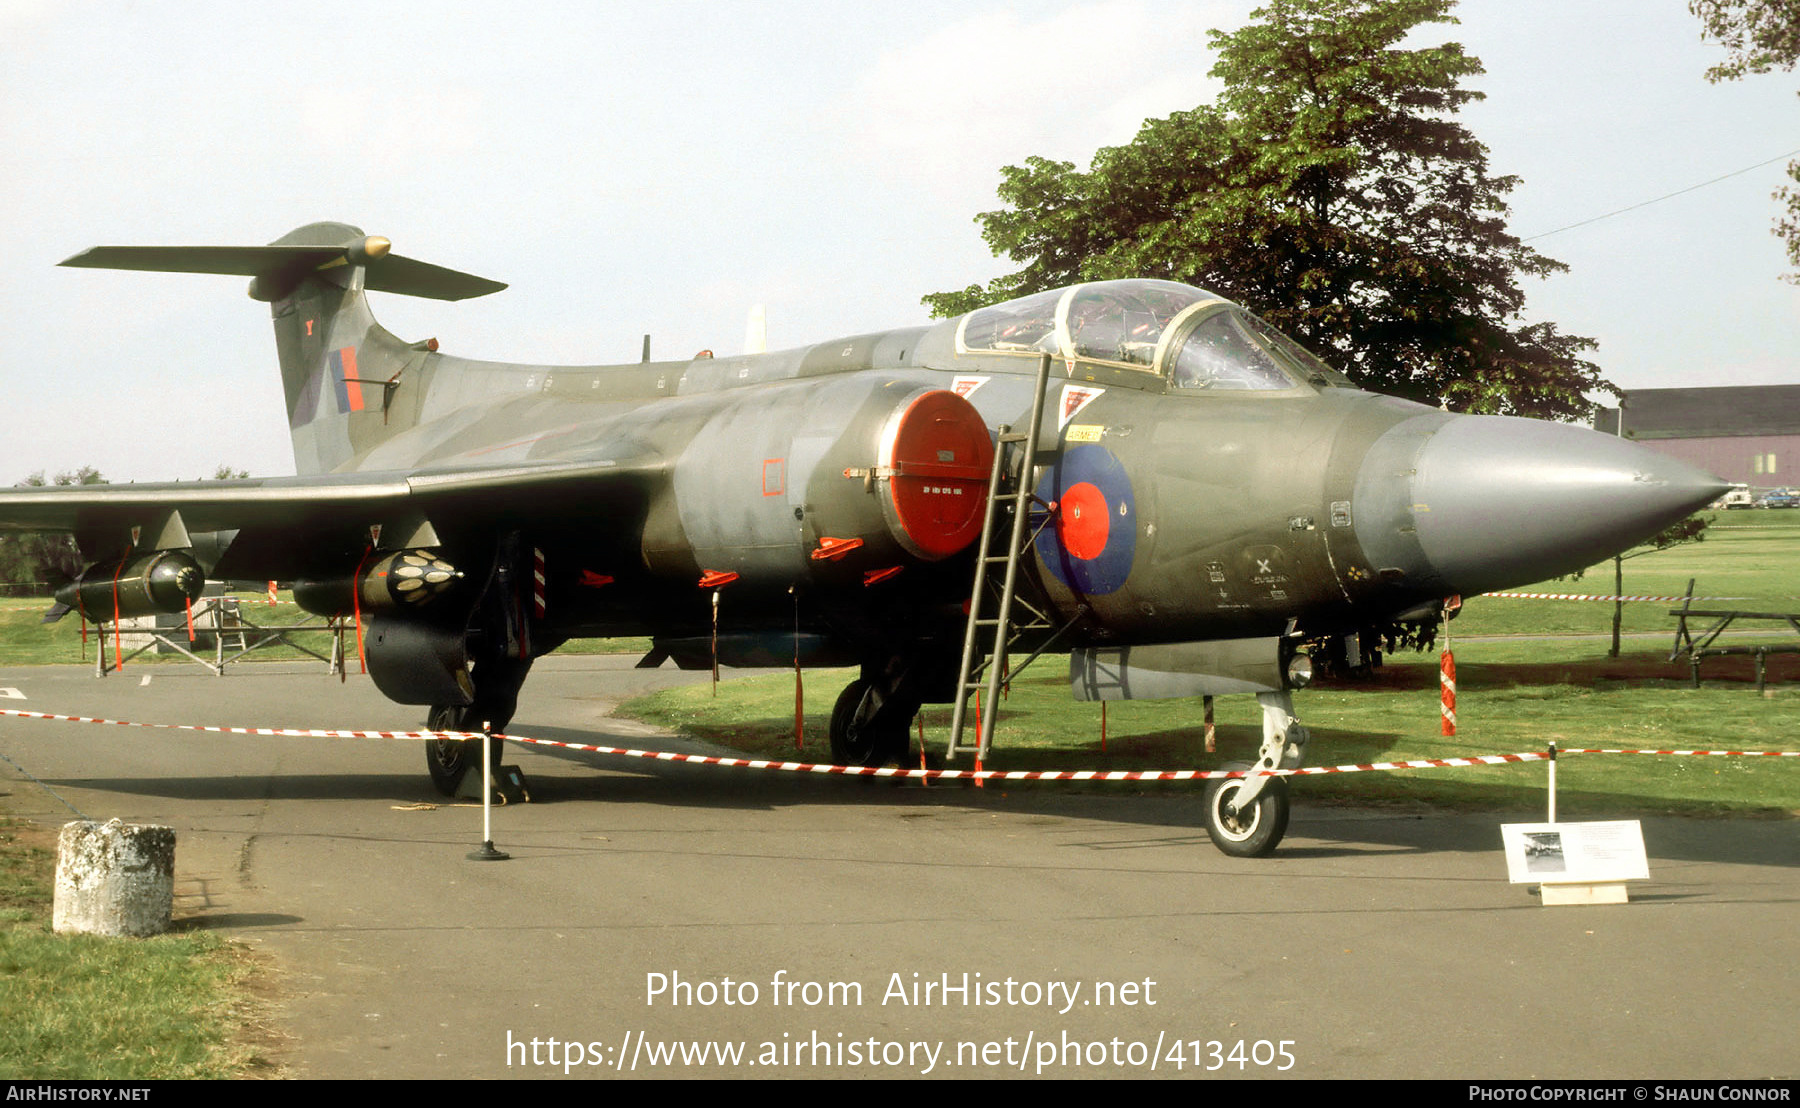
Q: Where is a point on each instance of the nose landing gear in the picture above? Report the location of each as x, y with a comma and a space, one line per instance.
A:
1246, 817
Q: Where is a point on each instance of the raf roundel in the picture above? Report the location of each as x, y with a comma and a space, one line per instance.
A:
1091, 545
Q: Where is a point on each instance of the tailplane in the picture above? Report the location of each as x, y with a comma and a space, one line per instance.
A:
344, 377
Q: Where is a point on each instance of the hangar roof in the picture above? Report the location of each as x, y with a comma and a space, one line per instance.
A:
1706, 413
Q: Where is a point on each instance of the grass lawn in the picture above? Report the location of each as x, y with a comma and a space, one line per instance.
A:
27, 641
1524, 679
1510, 700
81, 1006
1750, 554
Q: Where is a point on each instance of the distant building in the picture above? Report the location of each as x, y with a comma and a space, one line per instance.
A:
1748, 434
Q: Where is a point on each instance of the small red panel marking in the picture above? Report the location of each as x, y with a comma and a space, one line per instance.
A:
774, 476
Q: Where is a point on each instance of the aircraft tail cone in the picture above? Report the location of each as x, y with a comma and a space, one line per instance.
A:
1470, 504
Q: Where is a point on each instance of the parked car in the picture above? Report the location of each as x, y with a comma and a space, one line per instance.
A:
1738, 497
1780, 498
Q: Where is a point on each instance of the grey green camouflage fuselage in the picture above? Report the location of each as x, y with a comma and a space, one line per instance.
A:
1239, 502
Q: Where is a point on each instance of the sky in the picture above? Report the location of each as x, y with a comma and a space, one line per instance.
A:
662, 167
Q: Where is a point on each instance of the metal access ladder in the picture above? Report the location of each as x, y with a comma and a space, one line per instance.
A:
987, 637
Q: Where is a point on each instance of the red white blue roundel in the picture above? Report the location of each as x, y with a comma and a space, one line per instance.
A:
1090, 545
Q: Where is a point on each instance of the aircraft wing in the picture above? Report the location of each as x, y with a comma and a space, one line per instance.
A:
296, 526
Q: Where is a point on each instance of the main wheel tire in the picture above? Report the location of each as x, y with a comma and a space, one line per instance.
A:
447, 760
1254, 832
869, 746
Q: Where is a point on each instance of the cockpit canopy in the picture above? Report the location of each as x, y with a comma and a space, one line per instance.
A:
1191, 338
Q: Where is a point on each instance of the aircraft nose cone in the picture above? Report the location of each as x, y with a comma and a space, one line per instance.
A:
1468, 504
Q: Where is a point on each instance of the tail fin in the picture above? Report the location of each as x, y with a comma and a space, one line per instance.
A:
343, 375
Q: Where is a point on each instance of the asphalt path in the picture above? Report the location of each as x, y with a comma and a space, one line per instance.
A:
1082, 935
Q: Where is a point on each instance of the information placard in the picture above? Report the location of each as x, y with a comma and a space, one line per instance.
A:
1574, 853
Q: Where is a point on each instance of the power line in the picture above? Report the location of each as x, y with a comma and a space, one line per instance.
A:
1660, 199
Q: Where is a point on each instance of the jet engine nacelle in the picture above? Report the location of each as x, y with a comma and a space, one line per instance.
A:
779, 487
406, 580
161, 581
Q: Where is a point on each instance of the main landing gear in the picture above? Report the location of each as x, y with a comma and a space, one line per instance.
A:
1247, 816
497, 682
868, 729
872, 720
448, 759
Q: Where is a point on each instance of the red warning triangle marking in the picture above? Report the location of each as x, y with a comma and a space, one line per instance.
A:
1074, 398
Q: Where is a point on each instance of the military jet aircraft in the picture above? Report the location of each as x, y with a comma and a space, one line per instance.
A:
1194, 495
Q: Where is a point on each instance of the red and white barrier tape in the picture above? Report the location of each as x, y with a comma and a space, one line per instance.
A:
1609, 599
1730, 753
277, 732
890, 771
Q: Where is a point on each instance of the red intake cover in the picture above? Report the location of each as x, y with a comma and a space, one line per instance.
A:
935, 460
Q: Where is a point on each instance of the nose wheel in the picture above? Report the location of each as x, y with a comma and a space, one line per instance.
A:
1247, 816
1252, 830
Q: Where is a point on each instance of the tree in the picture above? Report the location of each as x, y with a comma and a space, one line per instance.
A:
1759, 35
86, 475
1331, 191
31, 558
1691, 529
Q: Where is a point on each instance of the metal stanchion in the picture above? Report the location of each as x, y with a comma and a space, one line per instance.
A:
487, 853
